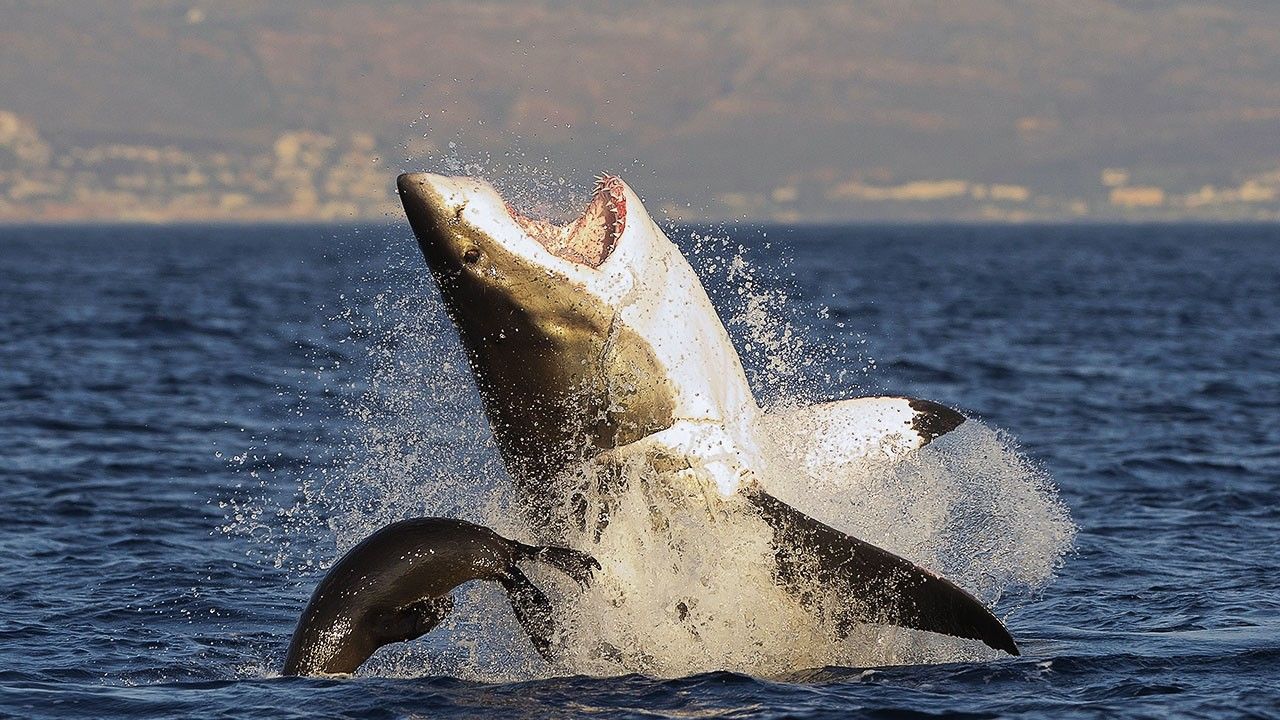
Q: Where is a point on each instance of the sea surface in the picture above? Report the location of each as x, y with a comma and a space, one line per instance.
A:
173, 399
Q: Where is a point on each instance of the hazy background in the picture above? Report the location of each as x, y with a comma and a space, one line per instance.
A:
877, 109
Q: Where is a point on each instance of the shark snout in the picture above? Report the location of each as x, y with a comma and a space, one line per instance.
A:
424, 204
409, 183
432, 201
407, 180
413, 191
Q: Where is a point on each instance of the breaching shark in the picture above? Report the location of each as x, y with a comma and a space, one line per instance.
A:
596, 339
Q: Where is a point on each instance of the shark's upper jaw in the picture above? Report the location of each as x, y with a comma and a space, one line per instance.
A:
435, 203
592, 237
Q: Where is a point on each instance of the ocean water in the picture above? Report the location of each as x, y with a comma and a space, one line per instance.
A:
195, 421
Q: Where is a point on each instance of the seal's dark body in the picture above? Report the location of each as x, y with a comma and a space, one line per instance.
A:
395, 585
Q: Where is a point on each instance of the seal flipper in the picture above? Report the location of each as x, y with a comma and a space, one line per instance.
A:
533, 610
411, 621
574, 563
897, 591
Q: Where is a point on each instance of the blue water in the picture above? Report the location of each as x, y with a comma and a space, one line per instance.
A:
155, 382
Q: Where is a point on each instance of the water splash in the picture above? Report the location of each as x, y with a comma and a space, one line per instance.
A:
687, 584
969, 505
786, 364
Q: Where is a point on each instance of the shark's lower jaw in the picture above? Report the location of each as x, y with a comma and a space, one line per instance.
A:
591, 238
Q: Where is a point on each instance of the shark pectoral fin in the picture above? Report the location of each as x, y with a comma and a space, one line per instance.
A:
889, 589
411, 621
533, 611
884, 427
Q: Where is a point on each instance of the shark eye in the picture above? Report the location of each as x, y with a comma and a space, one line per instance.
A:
471, 256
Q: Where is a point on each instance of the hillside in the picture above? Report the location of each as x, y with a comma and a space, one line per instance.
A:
877, 108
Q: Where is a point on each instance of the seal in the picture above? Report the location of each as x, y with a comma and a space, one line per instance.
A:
596, 341
394, 586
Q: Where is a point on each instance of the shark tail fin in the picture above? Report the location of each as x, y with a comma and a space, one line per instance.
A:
891, 590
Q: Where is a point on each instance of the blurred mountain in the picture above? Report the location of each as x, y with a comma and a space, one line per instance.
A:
999, 109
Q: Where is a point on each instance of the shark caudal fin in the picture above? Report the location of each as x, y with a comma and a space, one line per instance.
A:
846, 430
883, 588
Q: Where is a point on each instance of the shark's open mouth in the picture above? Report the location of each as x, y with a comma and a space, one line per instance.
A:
589, 239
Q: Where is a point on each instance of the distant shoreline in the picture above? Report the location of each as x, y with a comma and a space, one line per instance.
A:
710, 225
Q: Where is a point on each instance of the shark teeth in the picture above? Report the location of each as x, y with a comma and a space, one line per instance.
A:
591, 238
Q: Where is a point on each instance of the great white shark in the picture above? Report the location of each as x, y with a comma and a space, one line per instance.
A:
596, 339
